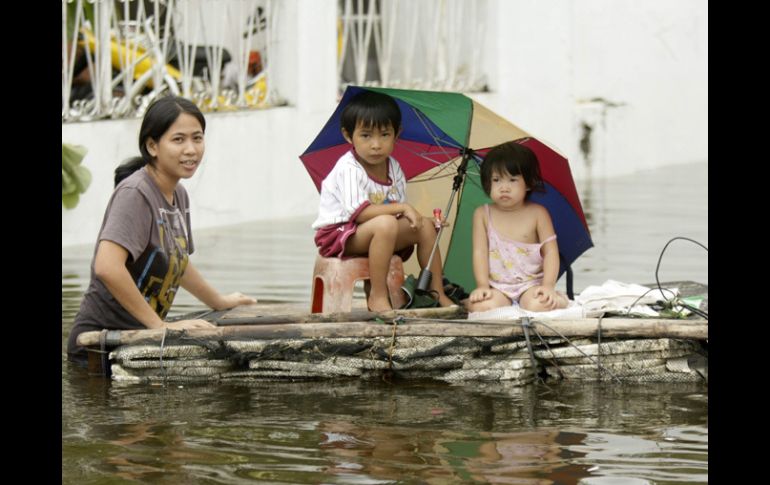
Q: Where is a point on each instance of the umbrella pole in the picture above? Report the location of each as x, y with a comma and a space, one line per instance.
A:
423, 281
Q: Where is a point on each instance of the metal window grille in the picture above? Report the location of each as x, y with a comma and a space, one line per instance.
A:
426, 44
117, 56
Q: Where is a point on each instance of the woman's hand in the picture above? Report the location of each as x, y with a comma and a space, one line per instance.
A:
188, 324
233, 300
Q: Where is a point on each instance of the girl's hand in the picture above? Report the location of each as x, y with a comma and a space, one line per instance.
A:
187, 324
480, 294
233, 300
546, 296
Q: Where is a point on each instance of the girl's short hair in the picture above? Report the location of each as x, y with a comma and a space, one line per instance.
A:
516, 159
373, 109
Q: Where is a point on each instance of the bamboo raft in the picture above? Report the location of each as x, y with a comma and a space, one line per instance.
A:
279, 342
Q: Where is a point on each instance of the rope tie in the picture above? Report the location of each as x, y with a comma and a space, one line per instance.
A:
162, 346
525, 324
392, 346
599, 346
103, 350
388, 373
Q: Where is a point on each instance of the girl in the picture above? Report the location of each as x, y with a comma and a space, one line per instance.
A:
142, 250
515, 255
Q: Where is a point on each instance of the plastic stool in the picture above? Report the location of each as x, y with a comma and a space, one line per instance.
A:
334, 278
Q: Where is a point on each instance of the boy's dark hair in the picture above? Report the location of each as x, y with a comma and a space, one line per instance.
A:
159, 117
516, 159
373, 109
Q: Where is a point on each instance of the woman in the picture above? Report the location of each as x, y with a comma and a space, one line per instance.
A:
142, 250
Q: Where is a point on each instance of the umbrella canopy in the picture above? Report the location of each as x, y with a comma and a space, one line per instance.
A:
437, 127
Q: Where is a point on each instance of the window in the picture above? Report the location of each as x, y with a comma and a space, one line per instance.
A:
427, 44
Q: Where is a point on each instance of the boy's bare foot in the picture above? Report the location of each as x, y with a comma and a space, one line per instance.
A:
378, 304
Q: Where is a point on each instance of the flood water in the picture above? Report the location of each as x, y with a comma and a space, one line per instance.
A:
346, 431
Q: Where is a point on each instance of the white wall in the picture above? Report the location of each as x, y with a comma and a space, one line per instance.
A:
658, 67
546, 61
550, 59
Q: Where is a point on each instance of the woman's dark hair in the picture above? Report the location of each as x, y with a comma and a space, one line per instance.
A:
516, 159
157, 120
373, 109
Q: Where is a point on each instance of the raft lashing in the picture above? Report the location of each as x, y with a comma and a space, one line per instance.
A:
417, 344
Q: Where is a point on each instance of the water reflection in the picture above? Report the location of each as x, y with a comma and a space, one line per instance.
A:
371, 432
428, 456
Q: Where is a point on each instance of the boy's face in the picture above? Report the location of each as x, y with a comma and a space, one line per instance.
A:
372, 144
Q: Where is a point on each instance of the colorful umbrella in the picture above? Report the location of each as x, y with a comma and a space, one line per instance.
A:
438, 128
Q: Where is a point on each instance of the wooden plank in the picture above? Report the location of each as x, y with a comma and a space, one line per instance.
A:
610, 327
244, 318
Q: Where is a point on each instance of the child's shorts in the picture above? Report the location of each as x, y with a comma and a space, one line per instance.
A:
330, 241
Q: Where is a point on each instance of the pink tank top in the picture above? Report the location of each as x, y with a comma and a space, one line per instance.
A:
514, 267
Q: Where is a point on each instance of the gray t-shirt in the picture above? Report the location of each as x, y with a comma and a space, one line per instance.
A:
157, 236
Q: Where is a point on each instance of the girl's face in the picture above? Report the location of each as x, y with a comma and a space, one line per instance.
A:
508, 191
180, 150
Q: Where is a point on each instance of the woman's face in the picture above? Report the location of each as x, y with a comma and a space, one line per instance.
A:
180, 150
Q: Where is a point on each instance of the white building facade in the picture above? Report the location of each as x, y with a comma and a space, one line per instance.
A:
616, 85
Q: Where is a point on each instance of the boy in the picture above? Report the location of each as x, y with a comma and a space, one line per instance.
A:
363, 209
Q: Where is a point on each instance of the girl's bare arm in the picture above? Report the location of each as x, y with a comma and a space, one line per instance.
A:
550, 250
480, 249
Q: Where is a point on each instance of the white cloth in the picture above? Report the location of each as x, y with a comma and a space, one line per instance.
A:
611, 297
348, 186
616, 297
514, 312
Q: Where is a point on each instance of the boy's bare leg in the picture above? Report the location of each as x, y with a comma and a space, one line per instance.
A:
424, 238
377, 238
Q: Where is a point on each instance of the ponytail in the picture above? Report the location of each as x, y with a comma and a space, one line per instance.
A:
128, 167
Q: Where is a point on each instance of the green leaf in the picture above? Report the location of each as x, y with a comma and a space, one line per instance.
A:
68, 185
69, 201
75, 178
72, 154
83, 179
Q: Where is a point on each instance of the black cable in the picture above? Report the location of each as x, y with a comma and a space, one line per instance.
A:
628, 312
697, 311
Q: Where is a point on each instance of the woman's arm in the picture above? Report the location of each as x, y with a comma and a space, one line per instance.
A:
110, 268
194, 282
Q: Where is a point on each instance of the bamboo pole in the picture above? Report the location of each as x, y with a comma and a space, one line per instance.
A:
610, 327
352, 316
